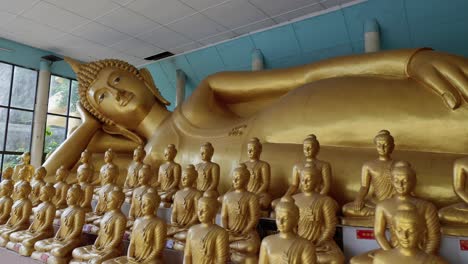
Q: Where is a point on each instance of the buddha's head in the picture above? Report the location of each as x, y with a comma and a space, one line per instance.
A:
117, 93
84, 173
409, 227
310, 178
47, 192
6, 188
150, 202
254, 148
74, 195
40, 173
85, 156
170, 152
22, 190
26, 157
310, 146
240, 177
403, 178
189, 176
144, 174
62, 173
109, 156
110, 174
23, 174
139, 154
206, 151
384, 143
7, 173
207, 209
115, 199
287, 215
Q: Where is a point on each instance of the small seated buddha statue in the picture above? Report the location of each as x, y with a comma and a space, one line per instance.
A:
168, 176
207, 243
318, 217
108, 184
148, 236
240, 213
24, 164
208, 171
144, 176
57, 250
85, 160
7, 174
109, 157
84, 176
108, 244
286, 246
375, 174
41, 226
21, 176
404, 182
454, 218
409, 233
6, 201
61, 188
184, 210
259, 182
36, 185
131, 182
20, 212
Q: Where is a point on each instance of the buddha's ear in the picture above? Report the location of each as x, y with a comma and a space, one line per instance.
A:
149, 82
119, 130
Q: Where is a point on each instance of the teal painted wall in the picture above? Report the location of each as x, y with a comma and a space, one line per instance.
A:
439, 24
30, 57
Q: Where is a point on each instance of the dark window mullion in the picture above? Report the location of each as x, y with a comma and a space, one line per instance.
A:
7, 120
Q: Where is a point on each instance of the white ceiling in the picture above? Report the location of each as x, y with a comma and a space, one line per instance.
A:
134, 29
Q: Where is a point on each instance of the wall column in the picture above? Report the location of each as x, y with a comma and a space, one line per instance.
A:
371, 36
40, 114
257, 60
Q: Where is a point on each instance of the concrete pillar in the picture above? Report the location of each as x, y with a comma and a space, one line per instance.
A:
40, 113
257, 60
371, 36
180, 87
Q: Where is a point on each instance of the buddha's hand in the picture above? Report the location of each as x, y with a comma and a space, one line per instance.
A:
444, 73
358, 204
86, 116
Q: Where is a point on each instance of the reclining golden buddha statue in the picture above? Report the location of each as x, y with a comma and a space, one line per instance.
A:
417, 94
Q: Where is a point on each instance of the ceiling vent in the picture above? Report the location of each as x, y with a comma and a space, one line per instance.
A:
160, 56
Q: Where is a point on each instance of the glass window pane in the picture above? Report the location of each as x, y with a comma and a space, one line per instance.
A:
24, 88
74, 99
3, 115
10, 161
58, 95
73, 123
19, 131
5, 82
55, 132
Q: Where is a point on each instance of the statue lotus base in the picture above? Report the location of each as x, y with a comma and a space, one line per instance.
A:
366, 221
453, 230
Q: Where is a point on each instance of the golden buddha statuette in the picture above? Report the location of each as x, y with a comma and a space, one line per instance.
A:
131, 182
24, 164
7, 174
318, 217
86, 159
108, 244
108, 179
259, 182
240, 213
375, 174
61, 189
168, 176
184, 209
404, 182
41, 226
84, 176
144, 177
57, 250
20, 212
109, 157
409, 234
148, 236
208, 171
287, 247
6, 201
36, 185
207, 243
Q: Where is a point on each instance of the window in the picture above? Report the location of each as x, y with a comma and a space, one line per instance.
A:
62, 114
18, 87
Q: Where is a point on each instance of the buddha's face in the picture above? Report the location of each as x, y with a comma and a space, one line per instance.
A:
148, 207
22, 174
61, 174
239, 179
26, 158
169, 154
206, 212
309, 182
21, 192
408, 233
112, 201
384, 147
72, 198
39, 174
84, 175
3, 190
108, 156
44, 195
84, 157
402, 182
143, 176
7, 173
138, 155
254, 150
206, 153
121, 97
188, 177
309, 149
286, 221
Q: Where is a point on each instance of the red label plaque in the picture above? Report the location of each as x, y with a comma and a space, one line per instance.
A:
366, 234
463, 244
44, 257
